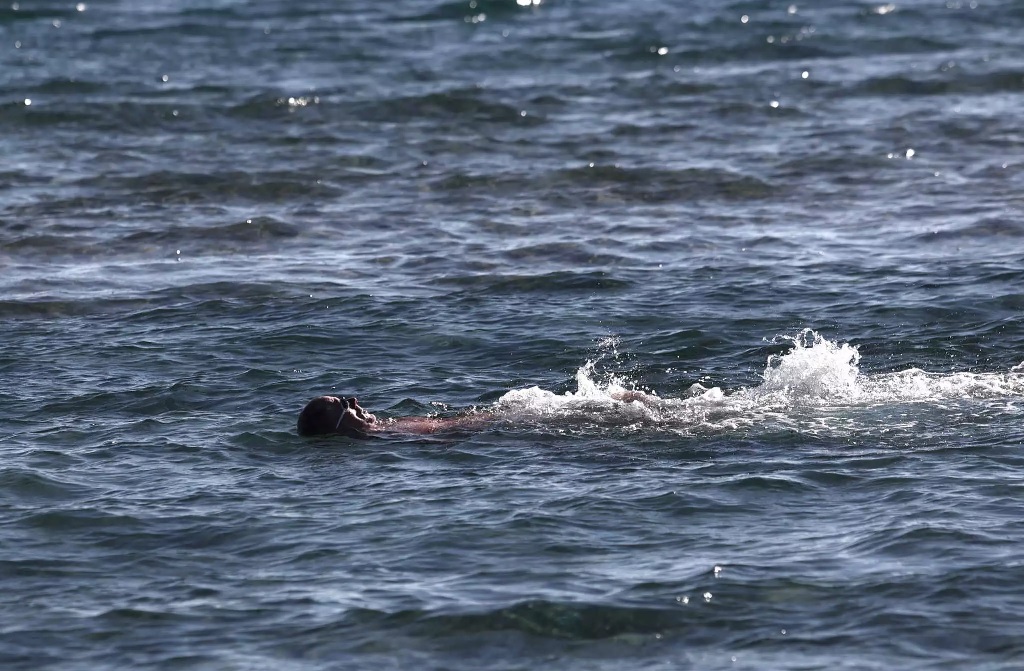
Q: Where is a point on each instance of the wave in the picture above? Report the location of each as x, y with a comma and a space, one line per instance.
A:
536, 283
461, 10
955, 82
984, 230
627, 184
547, 618
815, 386
456, 106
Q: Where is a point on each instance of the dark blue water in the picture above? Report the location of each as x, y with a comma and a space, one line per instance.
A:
798, 228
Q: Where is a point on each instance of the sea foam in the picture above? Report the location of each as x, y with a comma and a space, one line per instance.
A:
816, 384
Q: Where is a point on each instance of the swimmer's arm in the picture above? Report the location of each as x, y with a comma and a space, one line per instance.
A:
427, 425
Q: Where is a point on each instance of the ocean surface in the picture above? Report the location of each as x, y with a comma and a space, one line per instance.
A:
798, 228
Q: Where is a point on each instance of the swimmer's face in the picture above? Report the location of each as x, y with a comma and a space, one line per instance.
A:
331, 414
349, 415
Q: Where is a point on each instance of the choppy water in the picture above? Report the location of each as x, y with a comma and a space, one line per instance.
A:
797, 227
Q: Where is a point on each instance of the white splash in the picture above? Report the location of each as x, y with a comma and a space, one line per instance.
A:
816, 371
815, 386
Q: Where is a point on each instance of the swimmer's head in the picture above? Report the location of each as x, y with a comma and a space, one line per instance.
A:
330, 414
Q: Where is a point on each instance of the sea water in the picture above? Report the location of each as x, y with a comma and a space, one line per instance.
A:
738, 285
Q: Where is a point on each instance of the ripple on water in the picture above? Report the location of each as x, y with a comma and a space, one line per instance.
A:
30, 486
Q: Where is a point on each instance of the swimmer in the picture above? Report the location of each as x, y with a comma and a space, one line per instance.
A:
326, 415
